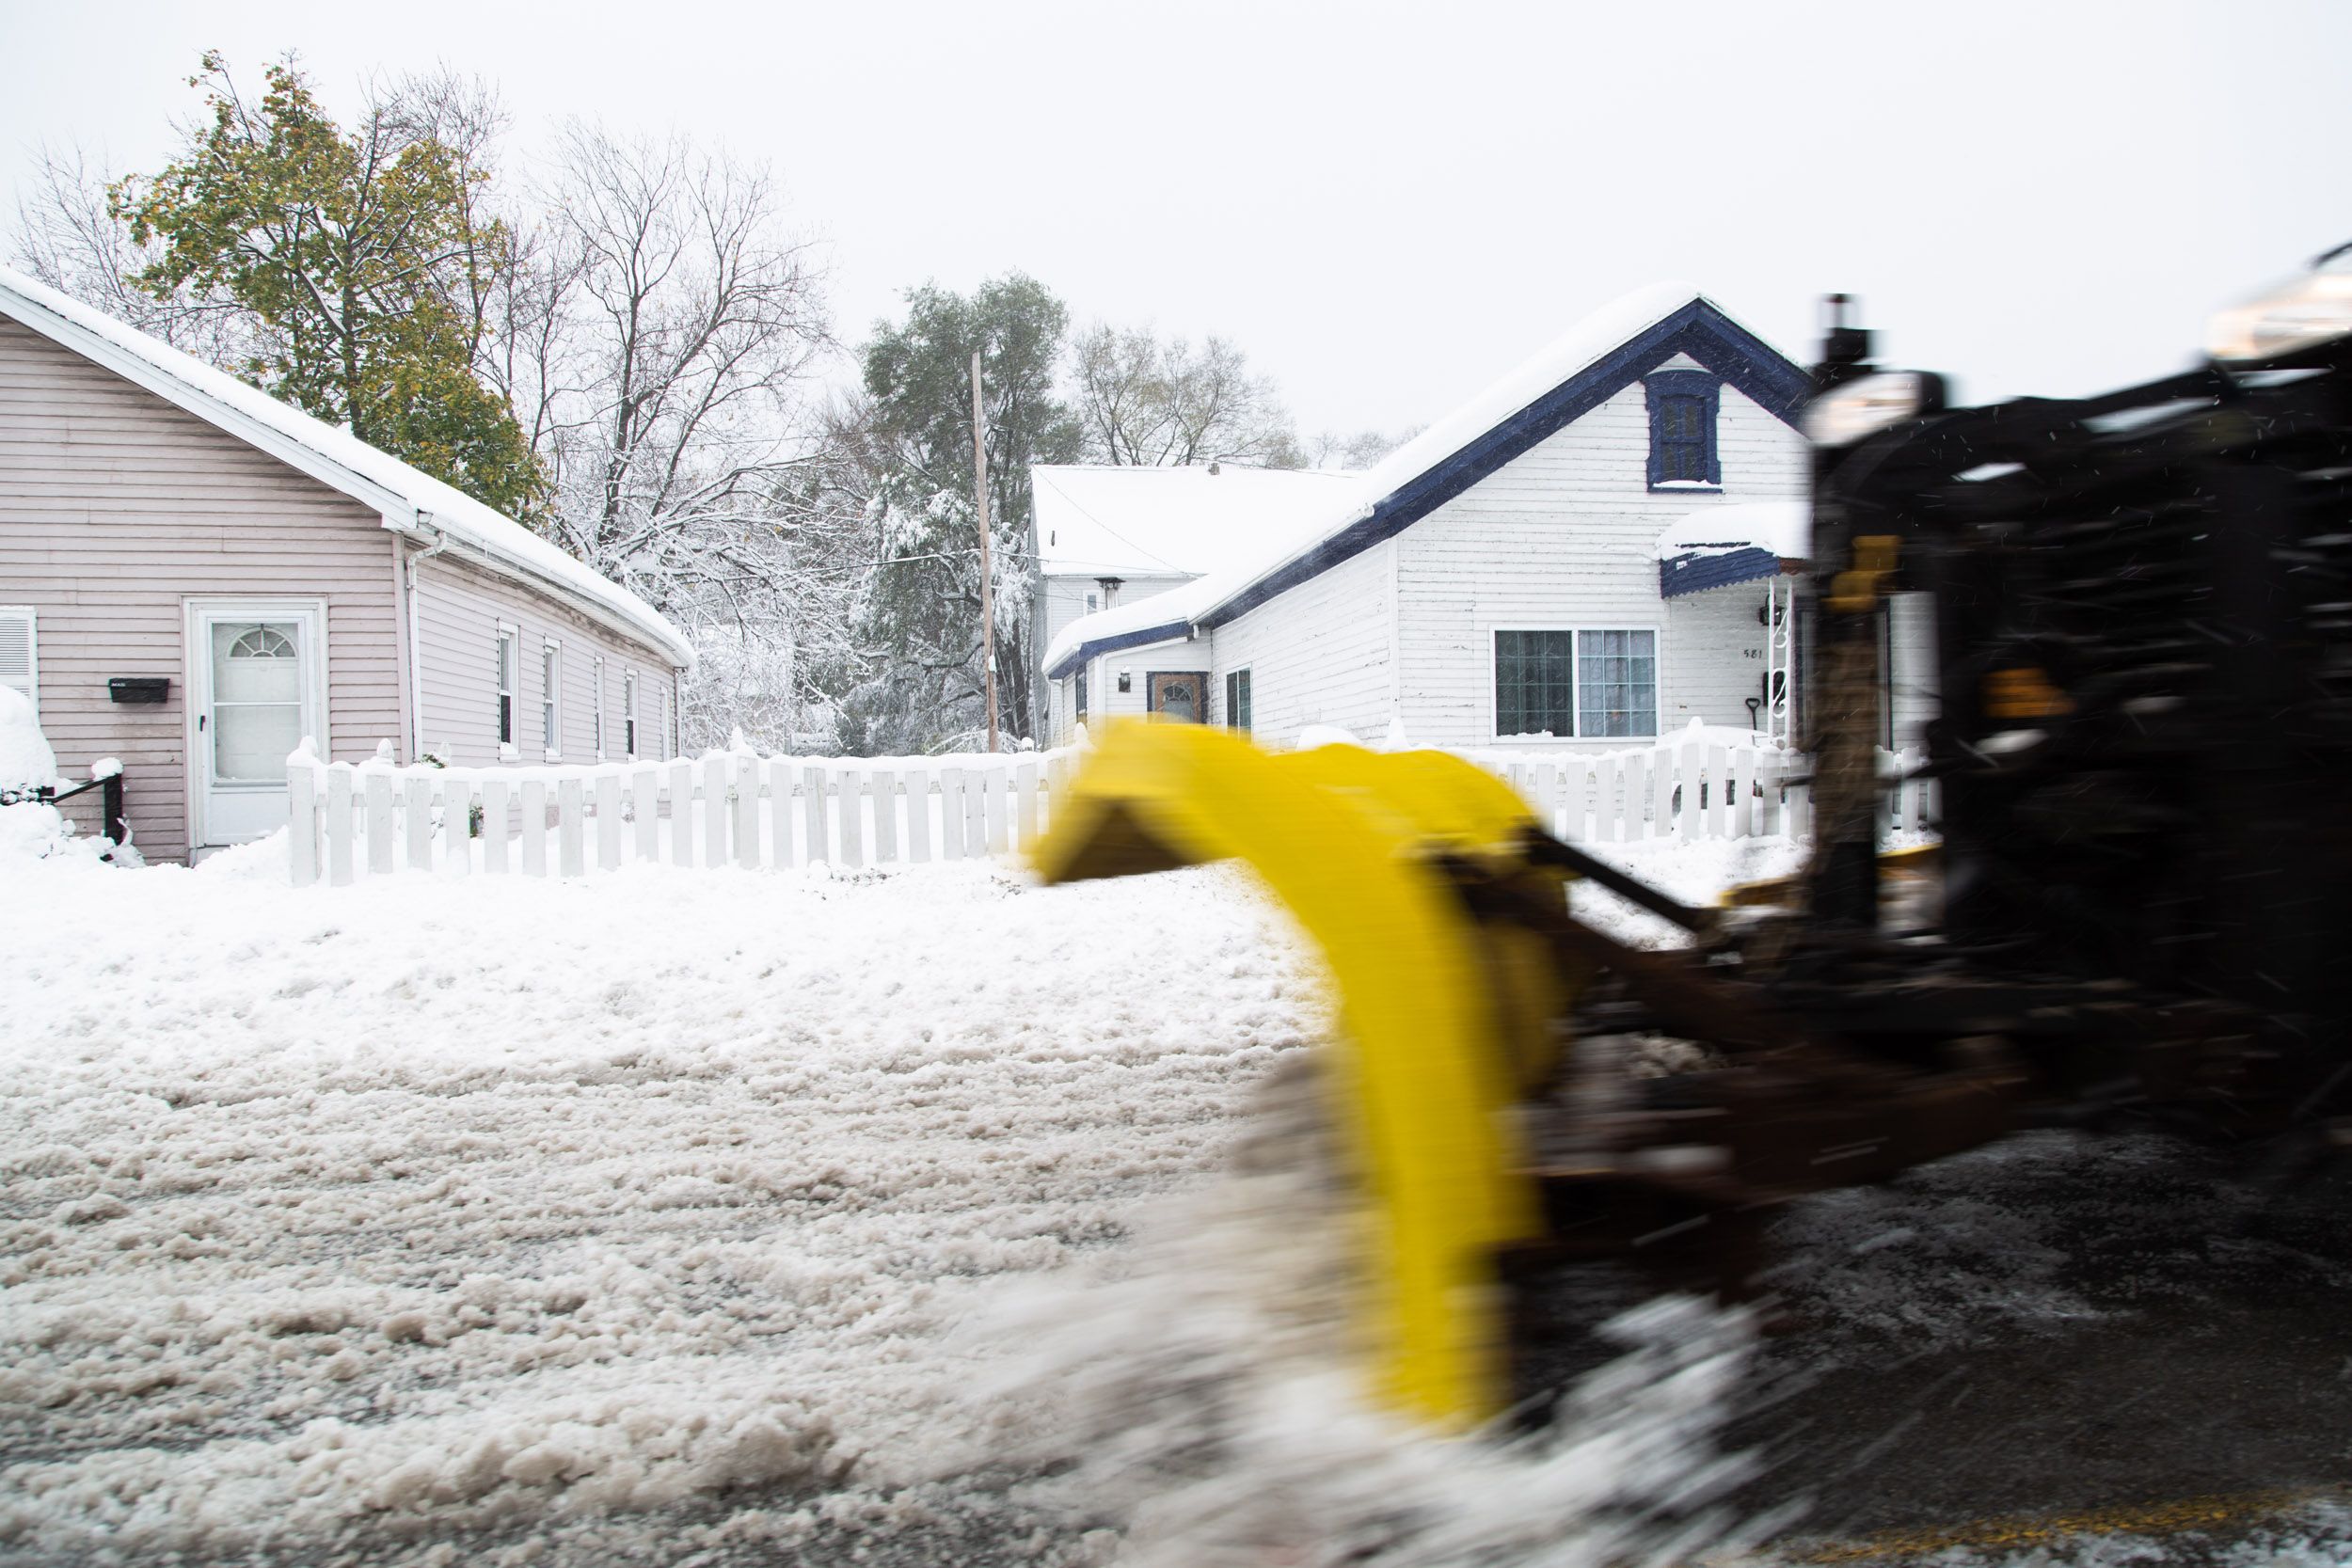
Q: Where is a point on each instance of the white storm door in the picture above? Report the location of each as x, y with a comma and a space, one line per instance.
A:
258, 677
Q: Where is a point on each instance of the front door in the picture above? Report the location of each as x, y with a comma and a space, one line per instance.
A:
255, 691
1179, 696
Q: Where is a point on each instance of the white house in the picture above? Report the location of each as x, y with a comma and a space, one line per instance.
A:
1589, 551
1111, 535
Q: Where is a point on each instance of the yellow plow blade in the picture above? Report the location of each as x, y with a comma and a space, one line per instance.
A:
1437, 1014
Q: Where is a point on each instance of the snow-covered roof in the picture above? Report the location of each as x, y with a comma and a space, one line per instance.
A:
1131, 522
408, 499
1784, 528
1161, 618
1563, 381
1723, 547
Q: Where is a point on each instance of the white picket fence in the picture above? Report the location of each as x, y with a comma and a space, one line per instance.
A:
733, 808
1693, 789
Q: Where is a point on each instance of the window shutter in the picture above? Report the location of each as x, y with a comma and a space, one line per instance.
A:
1683, 407
18, 668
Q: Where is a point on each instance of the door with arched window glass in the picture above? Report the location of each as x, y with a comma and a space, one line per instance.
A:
256, 687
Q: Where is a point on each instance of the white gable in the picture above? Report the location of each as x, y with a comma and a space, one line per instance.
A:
1575, 352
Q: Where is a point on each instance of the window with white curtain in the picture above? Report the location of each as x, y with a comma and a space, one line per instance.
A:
1579, 685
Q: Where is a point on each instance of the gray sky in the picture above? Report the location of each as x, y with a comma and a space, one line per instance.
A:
1386, 206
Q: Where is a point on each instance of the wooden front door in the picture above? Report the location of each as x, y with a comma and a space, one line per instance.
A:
1182, 695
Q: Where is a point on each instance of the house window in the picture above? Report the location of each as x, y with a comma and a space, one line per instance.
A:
507, 663
1177, 694
1683, 405
629, 713
1237, 700
1587, 685
19, 661
552, 697
599, 718
1093, 602
1081, 709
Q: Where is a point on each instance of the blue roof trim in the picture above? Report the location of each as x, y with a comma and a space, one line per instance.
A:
1698, 329
1695, 573
1085, 651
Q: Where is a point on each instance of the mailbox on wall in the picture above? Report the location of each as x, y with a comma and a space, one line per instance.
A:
140, 688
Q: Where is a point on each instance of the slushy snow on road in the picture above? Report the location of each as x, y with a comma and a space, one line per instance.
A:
418, 1205
342, 1218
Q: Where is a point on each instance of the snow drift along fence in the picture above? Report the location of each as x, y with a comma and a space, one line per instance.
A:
733, 808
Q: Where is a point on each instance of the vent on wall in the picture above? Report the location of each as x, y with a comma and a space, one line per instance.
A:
20, 665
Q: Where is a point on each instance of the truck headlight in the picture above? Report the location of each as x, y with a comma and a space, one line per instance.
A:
2298, 313
1845, 415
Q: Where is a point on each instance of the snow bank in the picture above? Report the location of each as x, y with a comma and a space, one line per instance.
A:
26, 763
29, 831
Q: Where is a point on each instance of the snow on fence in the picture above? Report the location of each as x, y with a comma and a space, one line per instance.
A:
734, 808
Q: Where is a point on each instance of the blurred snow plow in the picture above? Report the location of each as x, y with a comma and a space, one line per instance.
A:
1439, 904
2136, 915
1446, 1032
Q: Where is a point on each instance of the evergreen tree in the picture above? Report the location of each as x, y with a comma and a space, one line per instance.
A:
920, 619
358, 263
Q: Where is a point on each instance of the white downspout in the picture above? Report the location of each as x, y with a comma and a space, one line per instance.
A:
416, 646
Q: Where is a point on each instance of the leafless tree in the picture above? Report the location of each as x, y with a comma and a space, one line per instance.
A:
1152, 401
1362, 450
663, 341
659, 338
67, 236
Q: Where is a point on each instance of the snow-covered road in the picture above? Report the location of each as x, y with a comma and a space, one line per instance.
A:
644, 1218
386, 1211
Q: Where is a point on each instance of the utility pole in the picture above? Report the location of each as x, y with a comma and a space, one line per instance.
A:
987, 575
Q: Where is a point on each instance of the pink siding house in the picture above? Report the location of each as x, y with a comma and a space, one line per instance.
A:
194, 576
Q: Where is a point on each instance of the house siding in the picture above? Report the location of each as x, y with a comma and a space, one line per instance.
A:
1717, 640
1318, 654
115, 508
1066, 600
459, 610
1564, 535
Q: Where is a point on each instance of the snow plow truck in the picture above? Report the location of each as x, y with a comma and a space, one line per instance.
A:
2135, 914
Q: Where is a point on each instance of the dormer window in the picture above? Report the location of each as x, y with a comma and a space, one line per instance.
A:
1683, 410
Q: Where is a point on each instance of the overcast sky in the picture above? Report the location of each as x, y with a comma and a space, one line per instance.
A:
1387, 206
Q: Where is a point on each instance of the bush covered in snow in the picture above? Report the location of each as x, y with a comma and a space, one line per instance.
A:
26, 763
